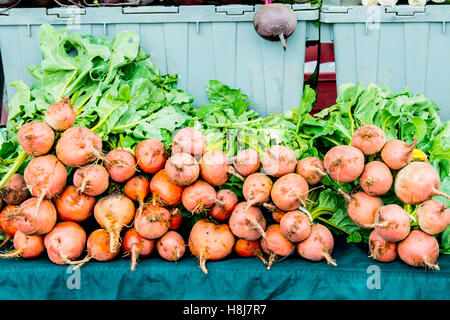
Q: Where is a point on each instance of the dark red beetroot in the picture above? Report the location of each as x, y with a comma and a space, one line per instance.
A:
36, 138
275, 21
120, 164
198, 197
91, 180
224, 204
151, 155
60, 115
15, 190
165, 191
380, 249
8, 223
73, 206
136, 246
27, 247
312, 169
417, 182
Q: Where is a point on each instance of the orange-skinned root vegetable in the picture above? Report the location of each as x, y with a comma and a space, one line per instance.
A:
72, 206
91, 180
46, 176
153, 222
136, 246
275, 22
392, 223
165, 191
419, 250
344, 163
113, 212
65, 242
198, 197
247, 222
208, 241
433, 217
376, 178
137, 189
290, 192
362, 208
151, 155
247, 162
30, 221
279, 161
176, 217
246, 248
417, 182
215, 168
98, 248
275, 244
256, 189
396, 154
120, 164
295, 226
36, 138
369, 139
380, 249
78, 146
27, 247
318, 246
182, 169
312, 169
226, 200
8, 223
60, 115
15, 190
189, 140
171, 246
277, 214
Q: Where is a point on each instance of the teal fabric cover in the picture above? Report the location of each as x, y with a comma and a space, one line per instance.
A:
234, 278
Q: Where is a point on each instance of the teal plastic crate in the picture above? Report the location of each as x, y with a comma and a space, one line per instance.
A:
199, 43
400, 46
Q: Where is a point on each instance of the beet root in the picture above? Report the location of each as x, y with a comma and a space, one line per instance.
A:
376, 178
246, 162
136, 246
433, 217
295, 226
15, 190
290, 192
417, 182
380, 249
247, 222
36, 138
369, 139
362, 208
419, 250
275, 22
392, 223
311, 169
344, 163
318, 246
